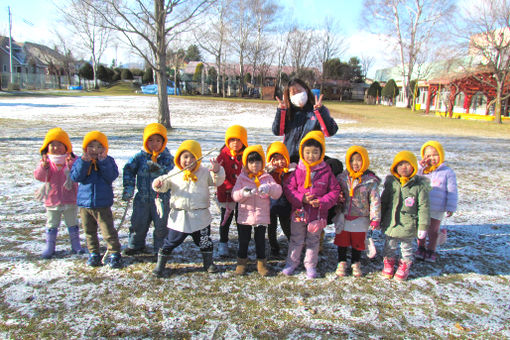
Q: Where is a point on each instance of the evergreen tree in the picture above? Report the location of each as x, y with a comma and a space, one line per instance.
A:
86, 71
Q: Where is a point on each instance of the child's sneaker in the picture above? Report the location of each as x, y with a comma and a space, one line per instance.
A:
420, 253
94, 260
288, 270
115, 261
403, 271
311, 273
340, 269
430, 256
389, 267
356, 269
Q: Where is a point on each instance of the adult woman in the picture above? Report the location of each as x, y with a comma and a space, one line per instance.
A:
299, 113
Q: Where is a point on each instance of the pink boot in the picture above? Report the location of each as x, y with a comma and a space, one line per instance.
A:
389, 267
403, 270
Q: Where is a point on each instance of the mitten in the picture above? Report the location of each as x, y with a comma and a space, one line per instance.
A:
248, 192
153, 166
374, 225
264, 189
422, 234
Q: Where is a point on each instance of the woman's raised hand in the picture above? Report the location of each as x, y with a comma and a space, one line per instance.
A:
318, 102
281, 103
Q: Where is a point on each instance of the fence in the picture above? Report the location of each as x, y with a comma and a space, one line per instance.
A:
37, 81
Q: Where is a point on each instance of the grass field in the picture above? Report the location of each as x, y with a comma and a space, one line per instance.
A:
463, 295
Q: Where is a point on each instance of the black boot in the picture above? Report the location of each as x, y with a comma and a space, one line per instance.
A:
209, 266
160, 265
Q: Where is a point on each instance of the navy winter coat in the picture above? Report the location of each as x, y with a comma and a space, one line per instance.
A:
140, 170
304, 121
95, 189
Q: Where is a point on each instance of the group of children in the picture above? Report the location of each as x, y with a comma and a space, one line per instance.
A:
254, 188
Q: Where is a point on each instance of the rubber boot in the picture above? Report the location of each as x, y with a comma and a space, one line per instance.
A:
160, 265
209, 266
74, 237
241, 266
321, 242
262, 267
51, 239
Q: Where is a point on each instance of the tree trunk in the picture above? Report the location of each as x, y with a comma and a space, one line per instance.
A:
497, 105
161, 78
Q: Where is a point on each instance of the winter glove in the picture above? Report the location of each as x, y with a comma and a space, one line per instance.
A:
374, 225
422, 234
264, 189
153, 167
248, 192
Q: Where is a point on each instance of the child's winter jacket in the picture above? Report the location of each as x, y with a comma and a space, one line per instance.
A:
232, 166
58, 195
255, 210
443, 195
140, 170
95, 189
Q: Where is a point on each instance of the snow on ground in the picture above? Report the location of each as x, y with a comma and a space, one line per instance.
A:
465, 293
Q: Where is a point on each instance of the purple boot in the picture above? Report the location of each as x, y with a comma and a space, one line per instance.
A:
51, 239
74, 236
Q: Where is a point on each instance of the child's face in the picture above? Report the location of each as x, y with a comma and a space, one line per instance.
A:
56, 148
430, 153
235, 144
154, 143
186, 159
404, 169
94, 149
254, 166
311, 154
356, 162
278, 161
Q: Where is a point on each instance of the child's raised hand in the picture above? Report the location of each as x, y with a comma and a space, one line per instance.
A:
44, 162
215, 166
86, 157
318, 102
102, 155
449, 213
281, 103
425, 162
157, 183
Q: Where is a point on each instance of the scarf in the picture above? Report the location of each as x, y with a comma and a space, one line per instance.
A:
431, 168
255, 177
154, 156
189, 175
404, 180
93, 163
308, 177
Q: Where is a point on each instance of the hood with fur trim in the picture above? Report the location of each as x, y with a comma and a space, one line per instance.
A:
59, 135
95, 135
407, 156
151, 130
193, 147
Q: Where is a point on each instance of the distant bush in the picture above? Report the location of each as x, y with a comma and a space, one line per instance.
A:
147, 76
137, 72
86, 71
374, 90
126, 74
13, 87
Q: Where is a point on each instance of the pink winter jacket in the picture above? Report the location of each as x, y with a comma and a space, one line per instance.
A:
325, 187
58, 195
255, 210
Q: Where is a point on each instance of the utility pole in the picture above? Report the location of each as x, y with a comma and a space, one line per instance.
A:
10, 42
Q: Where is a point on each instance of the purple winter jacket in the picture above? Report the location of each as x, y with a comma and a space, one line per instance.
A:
443, 196
325, 187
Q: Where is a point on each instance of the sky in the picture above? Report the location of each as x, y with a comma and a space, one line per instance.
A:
35, 20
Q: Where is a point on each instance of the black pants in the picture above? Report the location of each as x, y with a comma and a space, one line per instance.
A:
271, 229
244, 232
225, 228
202, 238
342, 255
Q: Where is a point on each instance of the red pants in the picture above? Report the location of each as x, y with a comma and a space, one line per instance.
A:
356, 240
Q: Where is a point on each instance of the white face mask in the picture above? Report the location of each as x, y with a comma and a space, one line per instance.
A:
57, 159
299, 99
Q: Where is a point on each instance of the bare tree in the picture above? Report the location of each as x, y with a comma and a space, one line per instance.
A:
68, 62
415, 24
88, 27
156, 27
176, 61
281, 48
487, 26
300, 47
213, 35
329, 44
366, 64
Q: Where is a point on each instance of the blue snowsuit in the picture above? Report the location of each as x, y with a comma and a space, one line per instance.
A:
140, 170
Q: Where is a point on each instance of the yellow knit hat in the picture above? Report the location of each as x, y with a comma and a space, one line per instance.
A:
95, 135
191, 146
364, 156
236, 131
439, 148
254, 148
319, 137
407, 156
59, 135
280, 148
258, 149
151, 130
